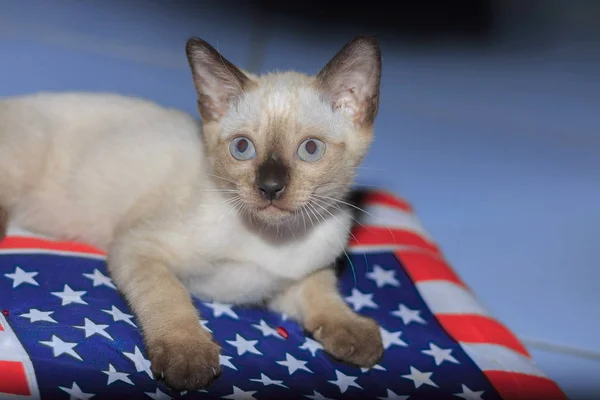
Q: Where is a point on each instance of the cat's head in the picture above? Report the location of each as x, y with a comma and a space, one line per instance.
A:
287, 143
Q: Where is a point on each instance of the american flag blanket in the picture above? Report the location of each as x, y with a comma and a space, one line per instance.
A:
66, 333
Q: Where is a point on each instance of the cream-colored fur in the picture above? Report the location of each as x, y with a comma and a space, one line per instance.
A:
90, 165
177, 214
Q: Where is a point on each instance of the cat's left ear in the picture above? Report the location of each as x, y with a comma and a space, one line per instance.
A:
350, 81
218, 82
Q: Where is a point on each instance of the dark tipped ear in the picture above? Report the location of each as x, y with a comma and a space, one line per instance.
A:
218, 82
350, 81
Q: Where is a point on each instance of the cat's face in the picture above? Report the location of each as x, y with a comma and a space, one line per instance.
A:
287, 144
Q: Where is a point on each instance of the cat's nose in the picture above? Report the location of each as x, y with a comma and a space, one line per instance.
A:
271, 189
273, 176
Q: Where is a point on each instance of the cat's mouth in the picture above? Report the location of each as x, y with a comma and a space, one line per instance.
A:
273, 213
272, 207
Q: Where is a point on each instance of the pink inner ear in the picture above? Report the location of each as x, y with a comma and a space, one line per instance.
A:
210, 109
353, 89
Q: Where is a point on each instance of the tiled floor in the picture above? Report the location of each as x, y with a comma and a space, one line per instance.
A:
500, 153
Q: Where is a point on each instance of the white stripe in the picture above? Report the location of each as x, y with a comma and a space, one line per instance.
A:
494, 357
14, 230
377, 248
444, 297
395, 218
12, 350
53, 253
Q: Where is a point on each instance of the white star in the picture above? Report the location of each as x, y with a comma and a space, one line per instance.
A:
265, 380
141, 364
204, 324
60, 347
224, 361
36, 315
267, 330
391, 338
119, 315
69, 296
344, 381
383, 277
440, 355
98, 279
75, 392
317, 396
242, 345
376, 366
468, 394
393, 396
312, 346
115, 376
220, 309
408, 315
239, 394
91, 328
419, 378
360, 300
293, 364
158, 395
20, 276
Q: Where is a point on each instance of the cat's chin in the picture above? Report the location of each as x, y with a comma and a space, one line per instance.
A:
272, 214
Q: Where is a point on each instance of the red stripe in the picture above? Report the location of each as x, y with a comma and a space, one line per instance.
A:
512, 385
480, 329
371, 235
14, 378
387, 199
424, 267
22, 242
1, 327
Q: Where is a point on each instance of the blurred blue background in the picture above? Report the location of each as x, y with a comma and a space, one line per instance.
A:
489, 124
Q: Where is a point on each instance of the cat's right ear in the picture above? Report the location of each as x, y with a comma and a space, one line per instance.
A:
218, 82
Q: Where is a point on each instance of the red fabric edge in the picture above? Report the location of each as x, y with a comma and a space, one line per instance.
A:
23, 242
14, 378
480, 329
512, 385
422, 267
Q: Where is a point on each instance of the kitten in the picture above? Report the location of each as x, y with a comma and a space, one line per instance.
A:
246, 208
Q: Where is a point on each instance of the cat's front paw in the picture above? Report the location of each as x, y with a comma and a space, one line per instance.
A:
185, 360
355, 340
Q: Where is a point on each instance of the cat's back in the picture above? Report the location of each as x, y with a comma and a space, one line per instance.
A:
67, 130
74, 160
57, 112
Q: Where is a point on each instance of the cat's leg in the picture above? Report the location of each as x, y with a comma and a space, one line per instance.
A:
3, 222
181, 351
344, 334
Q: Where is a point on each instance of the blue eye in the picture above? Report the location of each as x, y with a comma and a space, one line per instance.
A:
242, 149
311, 150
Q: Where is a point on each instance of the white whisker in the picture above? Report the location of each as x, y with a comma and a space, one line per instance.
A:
341, 245
354, 219
343, 202
303, 219
220, 190
336, 218
220, 177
